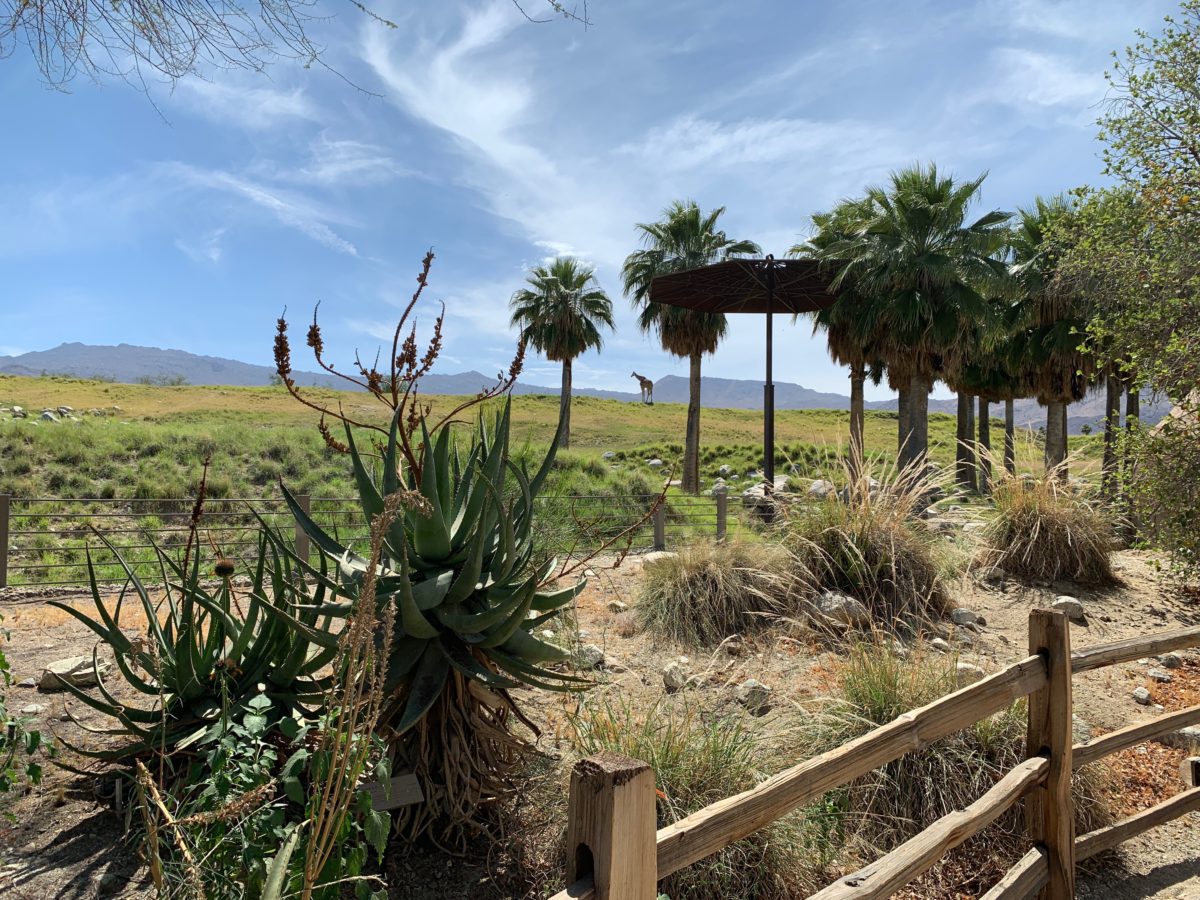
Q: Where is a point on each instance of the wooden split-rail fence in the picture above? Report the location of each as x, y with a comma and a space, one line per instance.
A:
616, 852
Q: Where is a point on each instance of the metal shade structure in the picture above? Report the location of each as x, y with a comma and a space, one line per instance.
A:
763, 286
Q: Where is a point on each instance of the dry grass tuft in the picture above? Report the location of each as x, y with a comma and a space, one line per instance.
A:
873, 547
1043, 529
709, 591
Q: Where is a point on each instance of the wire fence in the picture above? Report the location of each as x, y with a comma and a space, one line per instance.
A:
48, 541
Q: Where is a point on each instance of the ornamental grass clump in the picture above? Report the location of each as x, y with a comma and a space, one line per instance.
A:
709, 591
1043, 528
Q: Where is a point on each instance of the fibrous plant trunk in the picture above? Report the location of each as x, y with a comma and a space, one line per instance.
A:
985, 446
858, 377
690, 480
918, 421
1112, 423
903, 437
1010, 436
565, 405
964, 450
1056, 438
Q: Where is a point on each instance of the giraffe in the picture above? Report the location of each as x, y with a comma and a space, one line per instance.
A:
647, 387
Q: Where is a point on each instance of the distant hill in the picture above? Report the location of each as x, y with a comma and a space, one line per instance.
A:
131, 364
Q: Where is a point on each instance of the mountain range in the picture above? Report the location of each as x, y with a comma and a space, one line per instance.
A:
129, 363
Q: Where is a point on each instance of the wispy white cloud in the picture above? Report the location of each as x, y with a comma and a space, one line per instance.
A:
207, 248
243, 100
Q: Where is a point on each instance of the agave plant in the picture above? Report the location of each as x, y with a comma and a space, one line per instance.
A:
203, 660
460, 566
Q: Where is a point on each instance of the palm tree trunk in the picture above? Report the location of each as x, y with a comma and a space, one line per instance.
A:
1010, 436
858, 375
985, 447
918, 421
564, 405
691, 444
964, 454
1112, 422
1056, 438
903, 431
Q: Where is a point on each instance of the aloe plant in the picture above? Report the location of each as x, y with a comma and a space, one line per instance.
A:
202, 659
459, 564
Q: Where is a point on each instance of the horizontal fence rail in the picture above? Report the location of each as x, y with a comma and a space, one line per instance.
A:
603, 804
45, 541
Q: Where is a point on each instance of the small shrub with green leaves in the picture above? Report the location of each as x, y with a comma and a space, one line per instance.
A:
21, 747
1044, 529
206, 650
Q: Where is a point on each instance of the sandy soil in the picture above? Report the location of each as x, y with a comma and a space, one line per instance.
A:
67, 841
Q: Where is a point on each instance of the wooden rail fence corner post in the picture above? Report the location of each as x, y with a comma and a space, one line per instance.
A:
1049, 813
5, 508
301, 539
611, 827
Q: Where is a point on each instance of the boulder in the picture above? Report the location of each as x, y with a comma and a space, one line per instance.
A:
971, 527
674, 676
1071, 607
963, 616
966, 673
1141, 696
64, 410
754, 696
608, 454
33, 709
1187, 739
821, 489
725, 471
1162, 676
18, 412
1170, 660
589, 656
617, 606
843, 609
47, 416
655, 463
75, 670
656, 555
940, 645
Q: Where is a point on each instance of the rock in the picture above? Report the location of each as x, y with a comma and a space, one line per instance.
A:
608, 454
820, 489
719, 488
674, 676
899, 650
27, 682
754, 696
963, 616
1184, 739
970, 527
64, 410
733, 477
548, 635
1171, 660
655, 463
734, 645
1081, 731
656, 555
1141, 695
32, 709
75, 670
966, 673
589, 656
725, 471
994, 576
617, 606
843, 609
48, 416
940, 645
19, 413
1071, 607
1161, 676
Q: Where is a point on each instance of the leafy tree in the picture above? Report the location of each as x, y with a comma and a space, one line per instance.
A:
930, 274
560, 314
684, 239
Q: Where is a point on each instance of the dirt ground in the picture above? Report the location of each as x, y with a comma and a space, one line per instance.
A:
66, 840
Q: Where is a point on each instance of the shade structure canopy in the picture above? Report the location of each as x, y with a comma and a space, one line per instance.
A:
763, 286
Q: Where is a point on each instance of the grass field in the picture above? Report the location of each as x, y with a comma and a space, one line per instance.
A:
144, 458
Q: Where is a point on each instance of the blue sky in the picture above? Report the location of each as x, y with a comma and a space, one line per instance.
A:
190, 222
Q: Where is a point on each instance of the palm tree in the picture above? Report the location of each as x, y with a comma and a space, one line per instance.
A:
932, 273
1051, 345
560, 315
684, 239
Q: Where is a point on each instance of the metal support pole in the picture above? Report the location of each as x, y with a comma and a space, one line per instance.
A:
660, 527
722, 513
5, 506
769, 387
301, 539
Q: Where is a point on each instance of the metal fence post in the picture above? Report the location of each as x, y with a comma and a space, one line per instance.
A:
660, 527
5, 506
722, 513
305, 502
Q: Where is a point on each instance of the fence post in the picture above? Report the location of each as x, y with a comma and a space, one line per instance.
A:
305, 502
1049, 814
611, 827
722, 513
660, 527
5, 507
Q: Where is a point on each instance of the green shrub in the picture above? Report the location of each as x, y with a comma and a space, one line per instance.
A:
1044, 529
709, 591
